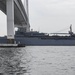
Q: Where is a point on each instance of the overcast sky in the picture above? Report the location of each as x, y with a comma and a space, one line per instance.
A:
51, 15
47, 16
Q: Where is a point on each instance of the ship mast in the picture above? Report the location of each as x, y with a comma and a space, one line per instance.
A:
70, 32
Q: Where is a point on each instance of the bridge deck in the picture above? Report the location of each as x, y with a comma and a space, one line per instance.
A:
20, 16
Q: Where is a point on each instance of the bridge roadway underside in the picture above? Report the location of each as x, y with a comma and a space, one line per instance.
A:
20, 17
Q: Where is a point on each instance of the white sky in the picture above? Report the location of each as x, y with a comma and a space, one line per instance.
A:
52, 15
47, 15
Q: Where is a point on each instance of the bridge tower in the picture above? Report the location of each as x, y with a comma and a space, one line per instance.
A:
10, 20
26, 27
27, 12
26, 7
17, 16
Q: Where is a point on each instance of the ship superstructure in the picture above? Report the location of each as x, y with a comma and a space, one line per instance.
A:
36, 38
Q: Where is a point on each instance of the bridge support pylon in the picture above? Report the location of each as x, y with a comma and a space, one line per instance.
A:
10, 21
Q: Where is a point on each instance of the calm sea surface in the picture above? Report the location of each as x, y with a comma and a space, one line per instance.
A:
38, 60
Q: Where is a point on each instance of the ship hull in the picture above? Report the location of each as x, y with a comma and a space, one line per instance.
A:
34, 41
46, 42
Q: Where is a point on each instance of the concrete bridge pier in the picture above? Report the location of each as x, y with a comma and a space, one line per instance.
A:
10, 21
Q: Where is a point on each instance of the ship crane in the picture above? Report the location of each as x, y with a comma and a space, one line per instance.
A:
70, 32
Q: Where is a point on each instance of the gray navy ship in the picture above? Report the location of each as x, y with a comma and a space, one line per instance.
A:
34, 38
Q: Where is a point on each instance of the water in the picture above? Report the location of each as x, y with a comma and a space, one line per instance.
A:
38, 60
